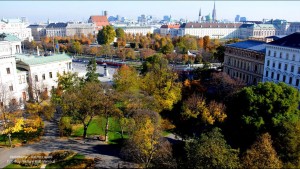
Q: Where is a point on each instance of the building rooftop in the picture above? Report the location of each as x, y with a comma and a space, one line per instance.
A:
292, 41
210, 25
99, 20
38, 60
57, 25
11, 38
176, 26
36, 26
258, 46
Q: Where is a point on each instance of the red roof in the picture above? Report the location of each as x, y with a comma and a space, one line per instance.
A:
176, 26
100, 21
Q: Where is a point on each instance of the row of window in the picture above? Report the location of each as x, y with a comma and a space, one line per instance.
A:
43, 76
283, 66
248, 66
287, 55
242, 76
283, 78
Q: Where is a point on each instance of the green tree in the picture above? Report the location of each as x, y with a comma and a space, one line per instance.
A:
77, 47
106, 35
126, 79
91, 75
83, 103
260, 109
211, 151
120, 33
287, 142
261, 154
168, 48
160, 82
219, 55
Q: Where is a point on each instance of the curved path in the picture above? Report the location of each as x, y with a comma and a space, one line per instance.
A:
107, 154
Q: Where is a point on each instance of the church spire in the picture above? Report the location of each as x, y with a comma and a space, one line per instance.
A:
214, 15
199, 17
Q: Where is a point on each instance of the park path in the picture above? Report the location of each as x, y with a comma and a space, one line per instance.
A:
107, 155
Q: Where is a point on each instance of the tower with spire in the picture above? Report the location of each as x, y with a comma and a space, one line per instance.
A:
199, 17
214, 15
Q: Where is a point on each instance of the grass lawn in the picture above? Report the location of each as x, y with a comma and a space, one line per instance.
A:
76, 161
19, 166
6, 144
97, 127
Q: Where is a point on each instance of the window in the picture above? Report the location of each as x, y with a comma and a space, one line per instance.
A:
284, 77
292, 68
11, 88
268, 63
274, 53
294, 57
50, 74
297, 82
267, 73
43, 76
269, 53
273, 64
52, 88
8, 70
291, 80
278, 76
298, 70
280, 55
285, 67
287, 56
279, 66
36, 78
272, 75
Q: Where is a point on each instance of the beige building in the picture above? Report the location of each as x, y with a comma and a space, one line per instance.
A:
245, 61
80, 28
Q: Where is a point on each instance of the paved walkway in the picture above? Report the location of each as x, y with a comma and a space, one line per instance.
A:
107, 154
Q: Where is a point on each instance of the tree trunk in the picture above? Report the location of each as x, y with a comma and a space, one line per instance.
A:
84, 131
106, 129
9, 138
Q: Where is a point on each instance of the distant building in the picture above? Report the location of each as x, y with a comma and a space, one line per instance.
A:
257, 30
169, 29
137, 29
282, 63
99, 21
243, 19
80, 28
237, 18
245, 61
214, 30
214, 13
16, 27
38, 31
56, 29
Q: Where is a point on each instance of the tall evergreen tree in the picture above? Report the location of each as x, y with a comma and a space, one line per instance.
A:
91, 75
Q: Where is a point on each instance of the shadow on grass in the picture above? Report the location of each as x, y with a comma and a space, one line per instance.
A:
77, 161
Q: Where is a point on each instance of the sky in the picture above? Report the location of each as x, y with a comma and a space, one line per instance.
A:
41, 11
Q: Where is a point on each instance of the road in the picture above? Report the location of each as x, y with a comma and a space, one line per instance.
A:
108, 154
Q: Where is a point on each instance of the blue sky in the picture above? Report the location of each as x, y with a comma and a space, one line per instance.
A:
40, 11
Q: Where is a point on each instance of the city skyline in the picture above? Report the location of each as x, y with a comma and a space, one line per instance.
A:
41, 11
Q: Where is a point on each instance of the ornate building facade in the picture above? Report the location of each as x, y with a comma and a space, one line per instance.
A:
245, 61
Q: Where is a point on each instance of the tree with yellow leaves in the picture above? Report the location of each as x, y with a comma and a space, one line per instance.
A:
145, 143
